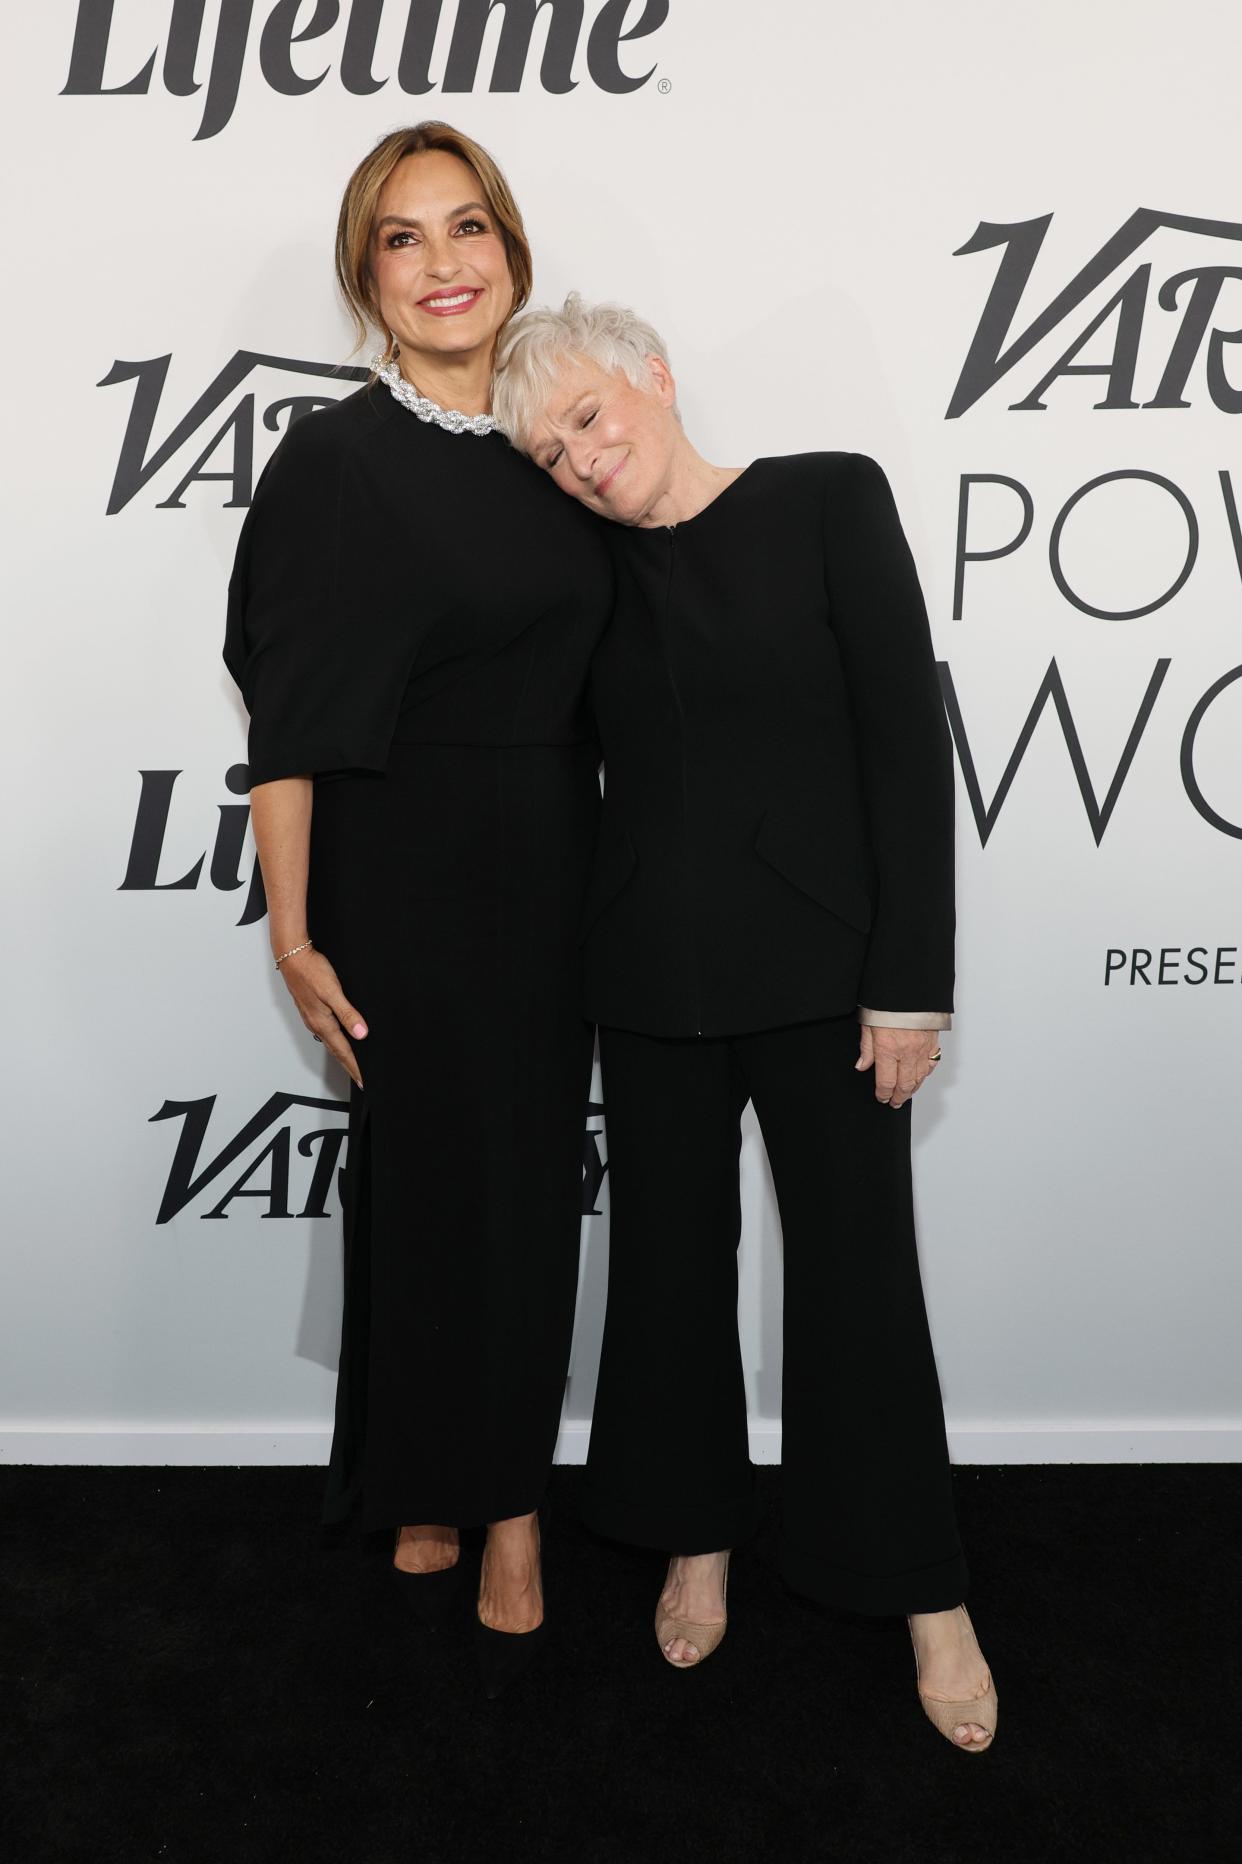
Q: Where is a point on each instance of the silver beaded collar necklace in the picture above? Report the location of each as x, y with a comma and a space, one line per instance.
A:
450, 419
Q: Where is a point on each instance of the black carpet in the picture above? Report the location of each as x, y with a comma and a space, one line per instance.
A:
190, 1673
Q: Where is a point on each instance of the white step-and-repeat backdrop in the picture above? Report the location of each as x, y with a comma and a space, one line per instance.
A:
1000, 250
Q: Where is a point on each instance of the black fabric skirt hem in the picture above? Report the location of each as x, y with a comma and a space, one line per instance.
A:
677, 1527
935, 1588
449, 1511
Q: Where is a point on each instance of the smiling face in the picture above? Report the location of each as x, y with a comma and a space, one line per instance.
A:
606, 442
438, 262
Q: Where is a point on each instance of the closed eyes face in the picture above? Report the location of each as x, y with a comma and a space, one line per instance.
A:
438, 259
604, 441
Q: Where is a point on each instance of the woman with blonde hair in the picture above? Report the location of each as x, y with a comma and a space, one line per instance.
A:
411, 616
775, 868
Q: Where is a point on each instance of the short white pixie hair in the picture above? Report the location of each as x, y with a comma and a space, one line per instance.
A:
532, 346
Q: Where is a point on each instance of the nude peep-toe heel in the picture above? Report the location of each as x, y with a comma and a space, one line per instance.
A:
705, 1638
946, 1716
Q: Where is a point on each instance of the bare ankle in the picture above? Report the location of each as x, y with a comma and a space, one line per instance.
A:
696, 1564
514, 1526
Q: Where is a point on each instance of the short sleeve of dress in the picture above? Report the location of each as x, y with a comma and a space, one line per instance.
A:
316, 698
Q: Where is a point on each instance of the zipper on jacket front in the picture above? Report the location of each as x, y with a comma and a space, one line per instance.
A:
685, 775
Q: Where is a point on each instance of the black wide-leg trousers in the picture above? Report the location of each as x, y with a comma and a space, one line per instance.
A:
868, 1522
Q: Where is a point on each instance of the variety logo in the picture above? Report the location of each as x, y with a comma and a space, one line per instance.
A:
228, 453
265, 1142
293, 1181
994, 352
440, 47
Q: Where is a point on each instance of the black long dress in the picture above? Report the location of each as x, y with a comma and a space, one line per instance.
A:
412, 614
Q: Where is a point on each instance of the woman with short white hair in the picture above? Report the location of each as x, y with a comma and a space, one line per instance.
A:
774, 868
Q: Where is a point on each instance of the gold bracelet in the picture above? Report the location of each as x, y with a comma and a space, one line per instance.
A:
293, 952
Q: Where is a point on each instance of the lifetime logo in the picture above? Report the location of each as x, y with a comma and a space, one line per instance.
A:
428, 28
146, 848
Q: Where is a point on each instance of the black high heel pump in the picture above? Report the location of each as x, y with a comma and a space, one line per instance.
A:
504, 1656
429, 1596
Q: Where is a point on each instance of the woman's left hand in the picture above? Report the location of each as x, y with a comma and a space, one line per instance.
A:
903, 1059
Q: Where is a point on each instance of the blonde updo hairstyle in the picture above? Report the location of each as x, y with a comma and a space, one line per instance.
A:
355, 227
532, 348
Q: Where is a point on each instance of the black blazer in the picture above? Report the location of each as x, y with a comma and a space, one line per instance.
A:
777, 834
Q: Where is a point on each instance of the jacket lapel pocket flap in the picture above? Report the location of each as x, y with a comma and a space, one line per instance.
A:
808, 868
615, 860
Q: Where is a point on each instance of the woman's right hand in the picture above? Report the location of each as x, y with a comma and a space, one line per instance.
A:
324, 1007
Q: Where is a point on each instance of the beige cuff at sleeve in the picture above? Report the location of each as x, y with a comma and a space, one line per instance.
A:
906, 1019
